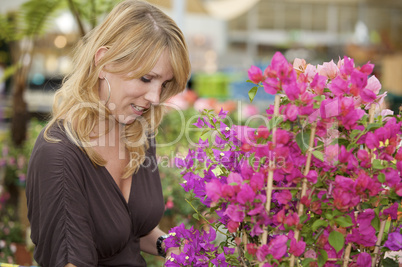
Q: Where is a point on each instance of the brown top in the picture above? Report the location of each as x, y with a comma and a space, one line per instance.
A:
77, 212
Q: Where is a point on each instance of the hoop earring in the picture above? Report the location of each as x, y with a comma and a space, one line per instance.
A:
108, 85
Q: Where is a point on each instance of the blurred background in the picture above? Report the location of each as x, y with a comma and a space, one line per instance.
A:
225, 38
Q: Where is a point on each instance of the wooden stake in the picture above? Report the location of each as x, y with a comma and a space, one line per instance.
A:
270, 178
378, 243
300, 207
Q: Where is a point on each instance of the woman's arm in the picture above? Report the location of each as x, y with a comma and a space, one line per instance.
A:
70, 265
148, 243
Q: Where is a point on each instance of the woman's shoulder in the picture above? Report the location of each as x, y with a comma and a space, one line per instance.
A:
53, 143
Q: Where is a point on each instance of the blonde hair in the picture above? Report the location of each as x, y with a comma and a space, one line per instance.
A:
136, 34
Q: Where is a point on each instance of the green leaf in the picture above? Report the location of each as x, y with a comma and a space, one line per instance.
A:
329, 216
322, 258
373, 126
375, 222
381, 178
303, 139
319, 223
377, 165
344, 221
252, 93
318, 155
274, 122
196, 216
388, 262
354, 133
336, 240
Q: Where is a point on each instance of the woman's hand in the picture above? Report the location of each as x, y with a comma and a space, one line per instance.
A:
174, 250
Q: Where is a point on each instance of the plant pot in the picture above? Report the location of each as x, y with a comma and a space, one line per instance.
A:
22, 255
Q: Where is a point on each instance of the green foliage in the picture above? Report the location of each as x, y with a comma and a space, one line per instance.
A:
11, 232
336, 240
15, 159
36, 15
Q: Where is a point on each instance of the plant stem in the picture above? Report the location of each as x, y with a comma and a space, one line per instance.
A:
205, 219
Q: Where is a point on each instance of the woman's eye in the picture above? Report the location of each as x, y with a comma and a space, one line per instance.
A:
164, 84
145, 80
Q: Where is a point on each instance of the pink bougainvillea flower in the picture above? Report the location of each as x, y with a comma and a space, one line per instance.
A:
246, 194
398, 189
222, 113
310, 254
358, 80
277, 246
392, 177
279, 67
234, 177
346, 66
257, 230
283, 197
292, 219
310, 72
252, 248
373, 84
232, 226
328, 69
329, 108
367, 96
394, 241
299, 65
292, 91
350, 120
262, 132
318, 84
392, 211
271, 85
385, 113
297, 247
332, 153
279, 217
372, 140
367, 68
262, 252
291, 112
214, 190
228, 191
382, 134
282, 136
312, 176
257, 181
255, 74
200, 123
363, 260
235, 213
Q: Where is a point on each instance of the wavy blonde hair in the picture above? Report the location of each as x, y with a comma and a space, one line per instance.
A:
136, 34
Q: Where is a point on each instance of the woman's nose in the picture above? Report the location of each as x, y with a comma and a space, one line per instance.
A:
153, 95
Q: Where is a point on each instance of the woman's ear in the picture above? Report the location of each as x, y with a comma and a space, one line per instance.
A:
98, 56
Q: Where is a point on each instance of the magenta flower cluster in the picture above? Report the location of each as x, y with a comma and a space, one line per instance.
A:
354, 179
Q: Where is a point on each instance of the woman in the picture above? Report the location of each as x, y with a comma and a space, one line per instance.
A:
94, 194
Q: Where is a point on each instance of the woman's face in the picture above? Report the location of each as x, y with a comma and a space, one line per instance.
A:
129, 98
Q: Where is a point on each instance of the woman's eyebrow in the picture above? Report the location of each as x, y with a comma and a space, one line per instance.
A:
156, 75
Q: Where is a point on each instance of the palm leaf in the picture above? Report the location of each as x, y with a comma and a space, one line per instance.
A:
37, 13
